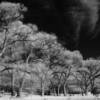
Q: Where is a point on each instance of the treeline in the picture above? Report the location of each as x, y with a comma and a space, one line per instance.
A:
34, 61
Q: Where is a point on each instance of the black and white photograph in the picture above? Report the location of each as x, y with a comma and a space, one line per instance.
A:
49, 49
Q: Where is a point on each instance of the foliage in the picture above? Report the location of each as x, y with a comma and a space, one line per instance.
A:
29, 55
10, 12
89, 74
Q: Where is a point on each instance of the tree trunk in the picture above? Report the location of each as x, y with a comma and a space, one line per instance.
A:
82, 91
19, 92
12, 83
92, 86
42, 88
20, 87
58, 90
85, 91
65, 93
55, 92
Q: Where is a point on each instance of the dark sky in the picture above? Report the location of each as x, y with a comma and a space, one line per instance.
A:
88, 47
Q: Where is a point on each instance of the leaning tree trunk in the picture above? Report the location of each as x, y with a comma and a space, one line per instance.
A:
65, 92
23, 79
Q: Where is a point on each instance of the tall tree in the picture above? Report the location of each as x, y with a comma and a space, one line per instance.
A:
9, 12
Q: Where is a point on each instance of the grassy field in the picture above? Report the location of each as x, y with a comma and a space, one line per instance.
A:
31, 97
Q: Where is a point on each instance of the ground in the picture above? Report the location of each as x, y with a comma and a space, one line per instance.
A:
32, 97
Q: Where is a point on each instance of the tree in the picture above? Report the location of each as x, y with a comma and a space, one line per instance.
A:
73, 61
44, 74
13, 32
64, 65
88, 75
93, 67
83, 81
10, 12
28, 46
46, 49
